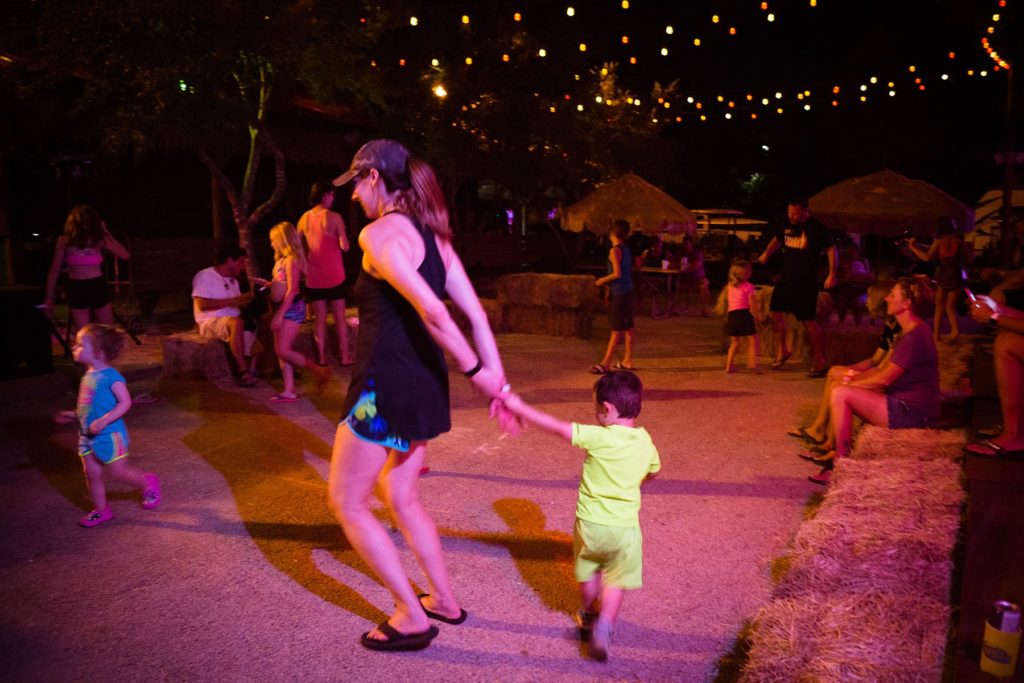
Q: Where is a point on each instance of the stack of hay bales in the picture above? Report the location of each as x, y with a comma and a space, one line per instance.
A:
796, 336
544, 303
866, 593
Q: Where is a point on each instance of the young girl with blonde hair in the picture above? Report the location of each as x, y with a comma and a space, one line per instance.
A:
739, 323
286, 291
103, 400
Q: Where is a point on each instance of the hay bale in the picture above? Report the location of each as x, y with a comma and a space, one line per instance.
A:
547, 289
186, 354
878, 443
864, 485
888, 526
954, 367
797, 340
544, 303
871, 637
494, 309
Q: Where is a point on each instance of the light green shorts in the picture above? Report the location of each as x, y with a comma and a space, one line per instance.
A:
615, 551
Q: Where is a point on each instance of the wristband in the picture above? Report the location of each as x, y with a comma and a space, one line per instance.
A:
475, 369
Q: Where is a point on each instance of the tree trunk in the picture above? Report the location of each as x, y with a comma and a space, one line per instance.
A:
216, 208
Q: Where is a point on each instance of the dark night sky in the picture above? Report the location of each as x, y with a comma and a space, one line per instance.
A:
946, 134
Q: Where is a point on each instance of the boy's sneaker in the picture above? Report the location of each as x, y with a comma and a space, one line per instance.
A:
151, 494
96, 517
600, 640
584, 621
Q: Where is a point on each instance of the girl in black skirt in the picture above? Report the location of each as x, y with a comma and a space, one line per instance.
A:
740, 322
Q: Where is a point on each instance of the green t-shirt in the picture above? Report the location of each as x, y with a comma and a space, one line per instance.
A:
618, 459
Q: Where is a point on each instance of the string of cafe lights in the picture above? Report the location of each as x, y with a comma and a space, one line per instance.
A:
991, 31
730, 104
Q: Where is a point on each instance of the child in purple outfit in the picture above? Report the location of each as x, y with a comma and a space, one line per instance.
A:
103, 400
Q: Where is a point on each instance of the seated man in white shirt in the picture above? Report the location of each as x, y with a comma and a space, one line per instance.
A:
217, 303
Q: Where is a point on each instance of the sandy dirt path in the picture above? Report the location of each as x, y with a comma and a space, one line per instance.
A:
243, 574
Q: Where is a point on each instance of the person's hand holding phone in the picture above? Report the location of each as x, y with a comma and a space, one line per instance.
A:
982, 307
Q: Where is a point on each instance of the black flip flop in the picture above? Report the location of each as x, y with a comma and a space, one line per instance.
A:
810, 457
398, 641
440, 617
802, 433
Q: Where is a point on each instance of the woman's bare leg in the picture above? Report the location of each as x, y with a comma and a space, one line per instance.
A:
940, 307
871, 406
104, 314
952, 298
80, 317
355, 467
320, 331
399, 484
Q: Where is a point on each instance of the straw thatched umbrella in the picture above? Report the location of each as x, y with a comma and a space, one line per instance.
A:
889, 204
648, 209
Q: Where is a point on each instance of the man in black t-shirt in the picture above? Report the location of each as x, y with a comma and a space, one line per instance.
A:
802, 242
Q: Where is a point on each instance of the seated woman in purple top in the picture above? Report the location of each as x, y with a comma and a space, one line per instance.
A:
904, 394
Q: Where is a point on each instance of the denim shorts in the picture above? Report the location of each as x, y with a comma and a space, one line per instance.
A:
902, 416
366, 422
296, 313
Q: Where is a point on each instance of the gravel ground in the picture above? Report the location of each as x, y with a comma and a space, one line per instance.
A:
243, 574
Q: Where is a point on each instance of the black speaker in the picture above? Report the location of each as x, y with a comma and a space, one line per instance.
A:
25, 349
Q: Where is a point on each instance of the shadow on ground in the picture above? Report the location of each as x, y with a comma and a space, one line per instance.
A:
280, 497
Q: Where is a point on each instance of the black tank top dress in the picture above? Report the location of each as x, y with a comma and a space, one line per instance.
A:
397, 358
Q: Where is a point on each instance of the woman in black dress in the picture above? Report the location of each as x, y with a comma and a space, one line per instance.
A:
398, 398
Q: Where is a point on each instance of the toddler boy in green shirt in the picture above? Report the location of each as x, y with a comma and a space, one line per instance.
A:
607, 544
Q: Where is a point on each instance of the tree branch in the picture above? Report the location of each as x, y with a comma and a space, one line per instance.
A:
225, 182
281, 179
